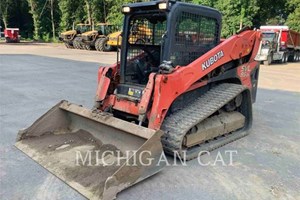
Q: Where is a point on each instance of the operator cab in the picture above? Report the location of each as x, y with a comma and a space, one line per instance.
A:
158, 31
105, 29
269, 39
144, 46
81, 28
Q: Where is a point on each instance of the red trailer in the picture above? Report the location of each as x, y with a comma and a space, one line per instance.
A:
12, 35
284, 43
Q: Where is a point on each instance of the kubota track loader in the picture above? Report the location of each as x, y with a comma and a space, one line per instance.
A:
181, 91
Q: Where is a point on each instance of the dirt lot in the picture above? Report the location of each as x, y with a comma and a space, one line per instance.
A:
34, 77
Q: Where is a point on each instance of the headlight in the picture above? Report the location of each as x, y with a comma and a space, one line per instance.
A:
162, 6
126, 9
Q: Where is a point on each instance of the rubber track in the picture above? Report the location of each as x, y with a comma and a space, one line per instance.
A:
179, 123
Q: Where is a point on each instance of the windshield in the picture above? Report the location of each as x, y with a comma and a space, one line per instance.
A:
268, 40
82, 28
144, 46
105, 29
268, 36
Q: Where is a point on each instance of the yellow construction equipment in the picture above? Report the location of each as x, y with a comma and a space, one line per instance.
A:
139, 36
97, 38
71, 38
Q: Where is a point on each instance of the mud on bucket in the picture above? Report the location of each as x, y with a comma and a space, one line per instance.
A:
95, 153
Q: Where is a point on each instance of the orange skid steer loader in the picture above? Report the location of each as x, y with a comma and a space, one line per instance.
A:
180, 91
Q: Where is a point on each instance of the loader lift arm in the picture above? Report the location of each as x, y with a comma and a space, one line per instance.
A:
185, 78
162, 89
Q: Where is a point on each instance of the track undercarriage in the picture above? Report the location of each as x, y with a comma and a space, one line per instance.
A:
218, 117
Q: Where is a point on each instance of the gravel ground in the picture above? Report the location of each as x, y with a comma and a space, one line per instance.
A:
34, 77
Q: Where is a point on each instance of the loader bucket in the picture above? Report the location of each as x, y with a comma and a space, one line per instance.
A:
93, 152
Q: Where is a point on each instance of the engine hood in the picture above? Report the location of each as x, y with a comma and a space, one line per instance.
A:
71, 32
114, 35
89, 33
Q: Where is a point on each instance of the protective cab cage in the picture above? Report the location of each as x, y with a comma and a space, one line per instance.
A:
192, 31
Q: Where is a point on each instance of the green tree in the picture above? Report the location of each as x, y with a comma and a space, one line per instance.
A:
115, 15
20, 17
35, 10
293, 20
72, 12
99, 11
45, 18
210, 3
272, 12
42, 18
236, 14
4, 9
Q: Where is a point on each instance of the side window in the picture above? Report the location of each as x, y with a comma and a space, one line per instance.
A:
194, 36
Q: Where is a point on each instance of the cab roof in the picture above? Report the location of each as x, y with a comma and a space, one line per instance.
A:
153, 5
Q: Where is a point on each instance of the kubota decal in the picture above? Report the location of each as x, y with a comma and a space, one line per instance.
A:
212, 60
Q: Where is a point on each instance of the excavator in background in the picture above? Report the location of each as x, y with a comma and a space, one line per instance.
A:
97, 38
179, 92
70, 38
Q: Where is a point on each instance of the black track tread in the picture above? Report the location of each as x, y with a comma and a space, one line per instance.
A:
179, 123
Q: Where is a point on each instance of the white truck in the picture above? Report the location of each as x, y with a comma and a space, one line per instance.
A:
279, 44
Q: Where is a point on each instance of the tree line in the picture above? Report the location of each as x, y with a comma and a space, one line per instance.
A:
44, 19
